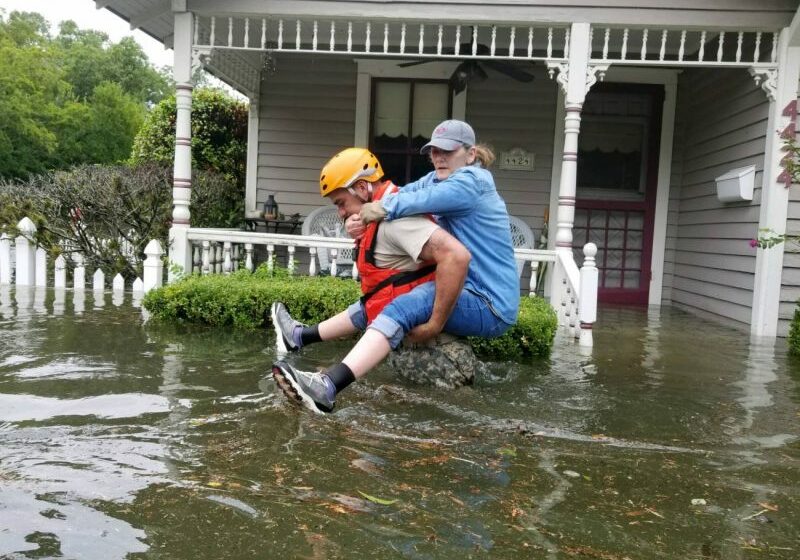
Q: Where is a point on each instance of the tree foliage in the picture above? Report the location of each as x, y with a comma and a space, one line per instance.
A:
219, 133
70, 99
107, 213
219, 146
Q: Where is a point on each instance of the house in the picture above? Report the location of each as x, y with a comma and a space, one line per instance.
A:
615, 117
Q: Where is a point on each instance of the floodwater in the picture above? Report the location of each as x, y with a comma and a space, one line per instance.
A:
120, 438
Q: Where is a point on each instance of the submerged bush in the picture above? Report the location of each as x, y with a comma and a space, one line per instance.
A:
532, 335
243, 300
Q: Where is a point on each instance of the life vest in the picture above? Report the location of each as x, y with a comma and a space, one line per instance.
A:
381, 285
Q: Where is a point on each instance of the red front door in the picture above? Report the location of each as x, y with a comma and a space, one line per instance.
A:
616, 186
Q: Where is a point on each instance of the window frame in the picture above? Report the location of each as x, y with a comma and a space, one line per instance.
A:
369, 68
409, 152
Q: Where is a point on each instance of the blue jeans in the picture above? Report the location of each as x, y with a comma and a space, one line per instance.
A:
472, 315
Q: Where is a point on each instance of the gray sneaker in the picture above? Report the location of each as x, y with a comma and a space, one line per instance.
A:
303, 387
284, 327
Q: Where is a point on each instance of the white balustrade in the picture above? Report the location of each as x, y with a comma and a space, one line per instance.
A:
224, 250
396, 38
686, 47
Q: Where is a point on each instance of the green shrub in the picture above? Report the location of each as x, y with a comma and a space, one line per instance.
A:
243, 300
794, 333
531, 336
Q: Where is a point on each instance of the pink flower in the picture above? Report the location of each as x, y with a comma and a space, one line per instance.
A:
754, 243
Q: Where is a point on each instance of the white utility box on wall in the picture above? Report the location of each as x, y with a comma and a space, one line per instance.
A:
737, 184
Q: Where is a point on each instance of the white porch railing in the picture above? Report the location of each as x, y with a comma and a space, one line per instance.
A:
224, 251
575, 300
684, 47
418, 39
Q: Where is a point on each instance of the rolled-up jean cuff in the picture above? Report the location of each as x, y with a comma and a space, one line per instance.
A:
357, 315
389, 328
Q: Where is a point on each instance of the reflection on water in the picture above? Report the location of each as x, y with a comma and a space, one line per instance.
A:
675, 438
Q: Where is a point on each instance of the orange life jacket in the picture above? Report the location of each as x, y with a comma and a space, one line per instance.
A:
381, 285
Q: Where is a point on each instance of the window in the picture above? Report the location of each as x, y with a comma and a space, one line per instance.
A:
613, 145
404, 112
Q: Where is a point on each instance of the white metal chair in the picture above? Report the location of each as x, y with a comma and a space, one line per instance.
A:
521, 237
325, 221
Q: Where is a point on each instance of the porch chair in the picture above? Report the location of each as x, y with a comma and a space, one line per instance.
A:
325, 221
521, 237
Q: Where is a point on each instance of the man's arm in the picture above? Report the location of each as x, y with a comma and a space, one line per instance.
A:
452, 261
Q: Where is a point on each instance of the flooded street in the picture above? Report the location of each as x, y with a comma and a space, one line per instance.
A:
120, 438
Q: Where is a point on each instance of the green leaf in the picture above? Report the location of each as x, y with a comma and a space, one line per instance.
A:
380, 501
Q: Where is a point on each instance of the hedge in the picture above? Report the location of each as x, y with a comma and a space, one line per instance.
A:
243, 300
794, 333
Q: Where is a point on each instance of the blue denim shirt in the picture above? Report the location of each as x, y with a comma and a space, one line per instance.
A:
468, 206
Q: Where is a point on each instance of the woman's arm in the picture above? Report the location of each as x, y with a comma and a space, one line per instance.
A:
457, 194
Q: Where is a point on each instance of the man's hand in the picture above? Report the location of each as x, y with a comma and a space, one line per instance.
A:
354, 227
423, 332
372, 212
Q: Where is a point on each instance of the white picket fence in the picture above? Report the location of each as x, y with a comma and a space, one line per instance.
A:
22, 262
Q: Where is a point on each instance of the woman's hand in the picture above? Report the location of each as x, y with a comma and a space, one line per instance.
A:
372, 212
354, 227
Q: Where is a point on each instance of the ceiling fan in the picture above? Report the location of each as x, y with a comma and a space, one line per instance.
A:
471, 71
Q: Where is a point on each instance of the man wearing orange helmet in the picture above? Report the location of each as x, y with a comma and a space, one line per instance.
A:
393, 260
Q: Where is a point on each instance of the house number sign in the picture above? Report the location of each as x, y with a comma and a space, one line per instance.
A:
517, 159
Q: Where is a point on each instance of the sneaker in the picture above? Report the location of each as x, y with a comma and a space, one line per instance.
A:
284, 327
303, 387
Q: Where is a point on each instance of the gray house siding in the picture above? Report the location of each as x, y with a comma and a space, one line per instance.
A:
507, 114
790, 280
307, 113
722, 120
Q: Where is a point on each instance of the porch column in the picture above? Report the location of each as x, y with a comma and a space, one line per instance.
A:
251, 175
573, 83
782, 92
180, 252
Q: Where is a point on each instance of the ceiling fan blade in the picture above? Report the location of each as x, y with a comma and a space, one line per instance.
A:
413, 63
509, 70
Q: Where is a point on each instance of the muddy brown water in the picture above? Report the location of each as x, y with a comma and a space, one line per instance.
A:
120, 438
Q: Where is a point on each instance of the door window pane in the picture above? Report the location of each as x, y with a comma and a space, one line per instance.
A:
403, 116
390, 123
613, 145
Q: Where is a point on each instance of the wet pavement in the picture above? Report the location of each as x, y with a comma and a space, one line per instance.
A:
120, 438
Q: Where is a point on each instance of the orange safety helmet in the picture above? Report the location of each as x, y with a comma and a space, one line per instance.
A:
347, 167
